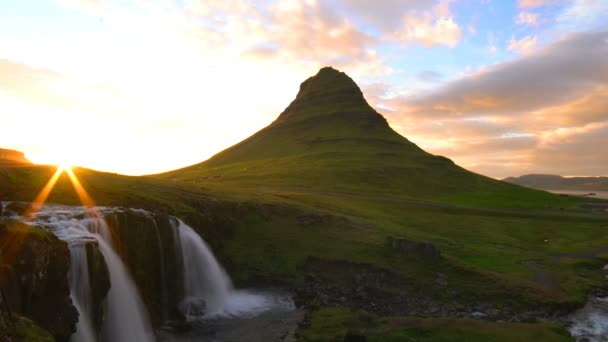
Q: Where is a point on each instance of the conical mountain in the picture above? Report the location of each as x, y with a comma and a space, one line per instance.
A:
330, 139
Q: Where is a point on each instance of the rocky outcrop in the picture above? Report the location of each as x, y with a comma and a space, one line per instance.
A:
425, 249
33, 277
12, 156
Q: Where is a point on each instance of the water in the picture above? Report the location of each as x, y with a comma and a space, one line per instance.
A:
163, 278
208, 291
126, 319
591, 322
585, 193
80, 291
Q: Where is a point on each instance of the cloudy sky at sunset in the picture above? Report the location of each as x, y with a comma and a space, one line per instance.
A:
142, 86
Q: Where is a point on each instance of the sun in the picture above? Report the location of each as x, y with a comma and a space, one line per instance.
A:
64, 161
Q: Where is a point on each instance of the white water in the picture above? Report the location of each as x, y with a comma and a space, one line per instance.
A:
126, 319
591, 322
205, 279
81, 292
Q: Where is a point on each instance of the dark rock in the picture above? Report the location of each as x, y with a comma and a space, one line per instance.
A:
352, 336
16, 208
193, 307
33, 275
425, 249
440, 280
478, 315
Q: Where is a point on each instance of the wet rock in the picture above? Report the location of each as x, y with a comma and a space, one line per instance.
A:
478, 315
34, 272
193, 307
16, 208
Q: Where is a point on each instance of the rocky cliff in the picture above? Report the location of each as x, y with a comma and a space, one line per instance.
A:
33, 277
12, 156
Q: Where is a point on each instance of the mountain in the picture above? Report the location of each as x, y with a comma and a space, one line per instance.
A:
12, 157
330, 139
555, 182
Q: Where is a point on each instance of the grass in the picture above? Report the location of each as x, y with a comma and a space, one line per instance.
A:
333, 324
28, 331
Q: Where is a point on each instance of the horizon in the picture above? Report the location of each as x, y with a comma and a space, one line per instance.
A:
502, 88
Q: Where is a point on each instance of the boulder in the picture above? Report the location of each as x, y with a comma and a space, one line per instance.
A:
425, 249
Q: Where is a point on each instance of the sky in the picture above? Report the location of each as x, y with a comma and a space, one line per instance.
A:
503, 88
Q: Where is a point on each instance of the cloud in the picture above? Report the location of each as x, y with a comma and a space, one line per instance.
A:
531, 114
429, 76
583, 15
433, 27
522, 46
527, 18
532, 3
552, 75
576, 153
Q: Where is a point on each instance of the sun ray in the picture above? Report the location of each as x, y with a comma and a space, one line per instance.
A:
89, 204
85, 199
44, 194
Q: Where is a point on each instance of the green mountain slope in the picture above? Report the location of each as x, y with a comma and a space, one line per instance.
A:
329, 139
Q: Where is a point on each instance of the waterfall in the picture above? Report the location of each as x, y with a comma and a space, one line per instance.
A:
125, 318
163, 284
208, 290
204, 290
204, 278
80, 290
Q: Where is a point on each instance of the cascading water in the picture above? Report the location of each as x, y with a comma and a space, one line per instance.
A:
204, 278
125, 317
81, 291
163, 278
208, 291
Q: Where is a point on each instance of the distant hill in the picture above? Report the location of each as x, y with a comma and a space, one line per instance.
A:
330, 139
12, 157
555, 182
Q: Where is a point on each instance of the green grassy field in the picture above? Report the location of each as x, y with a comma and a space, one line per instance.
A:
333, 324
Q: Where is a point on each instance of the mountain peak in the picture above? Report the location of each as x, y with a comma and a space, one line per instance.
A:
329, 91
